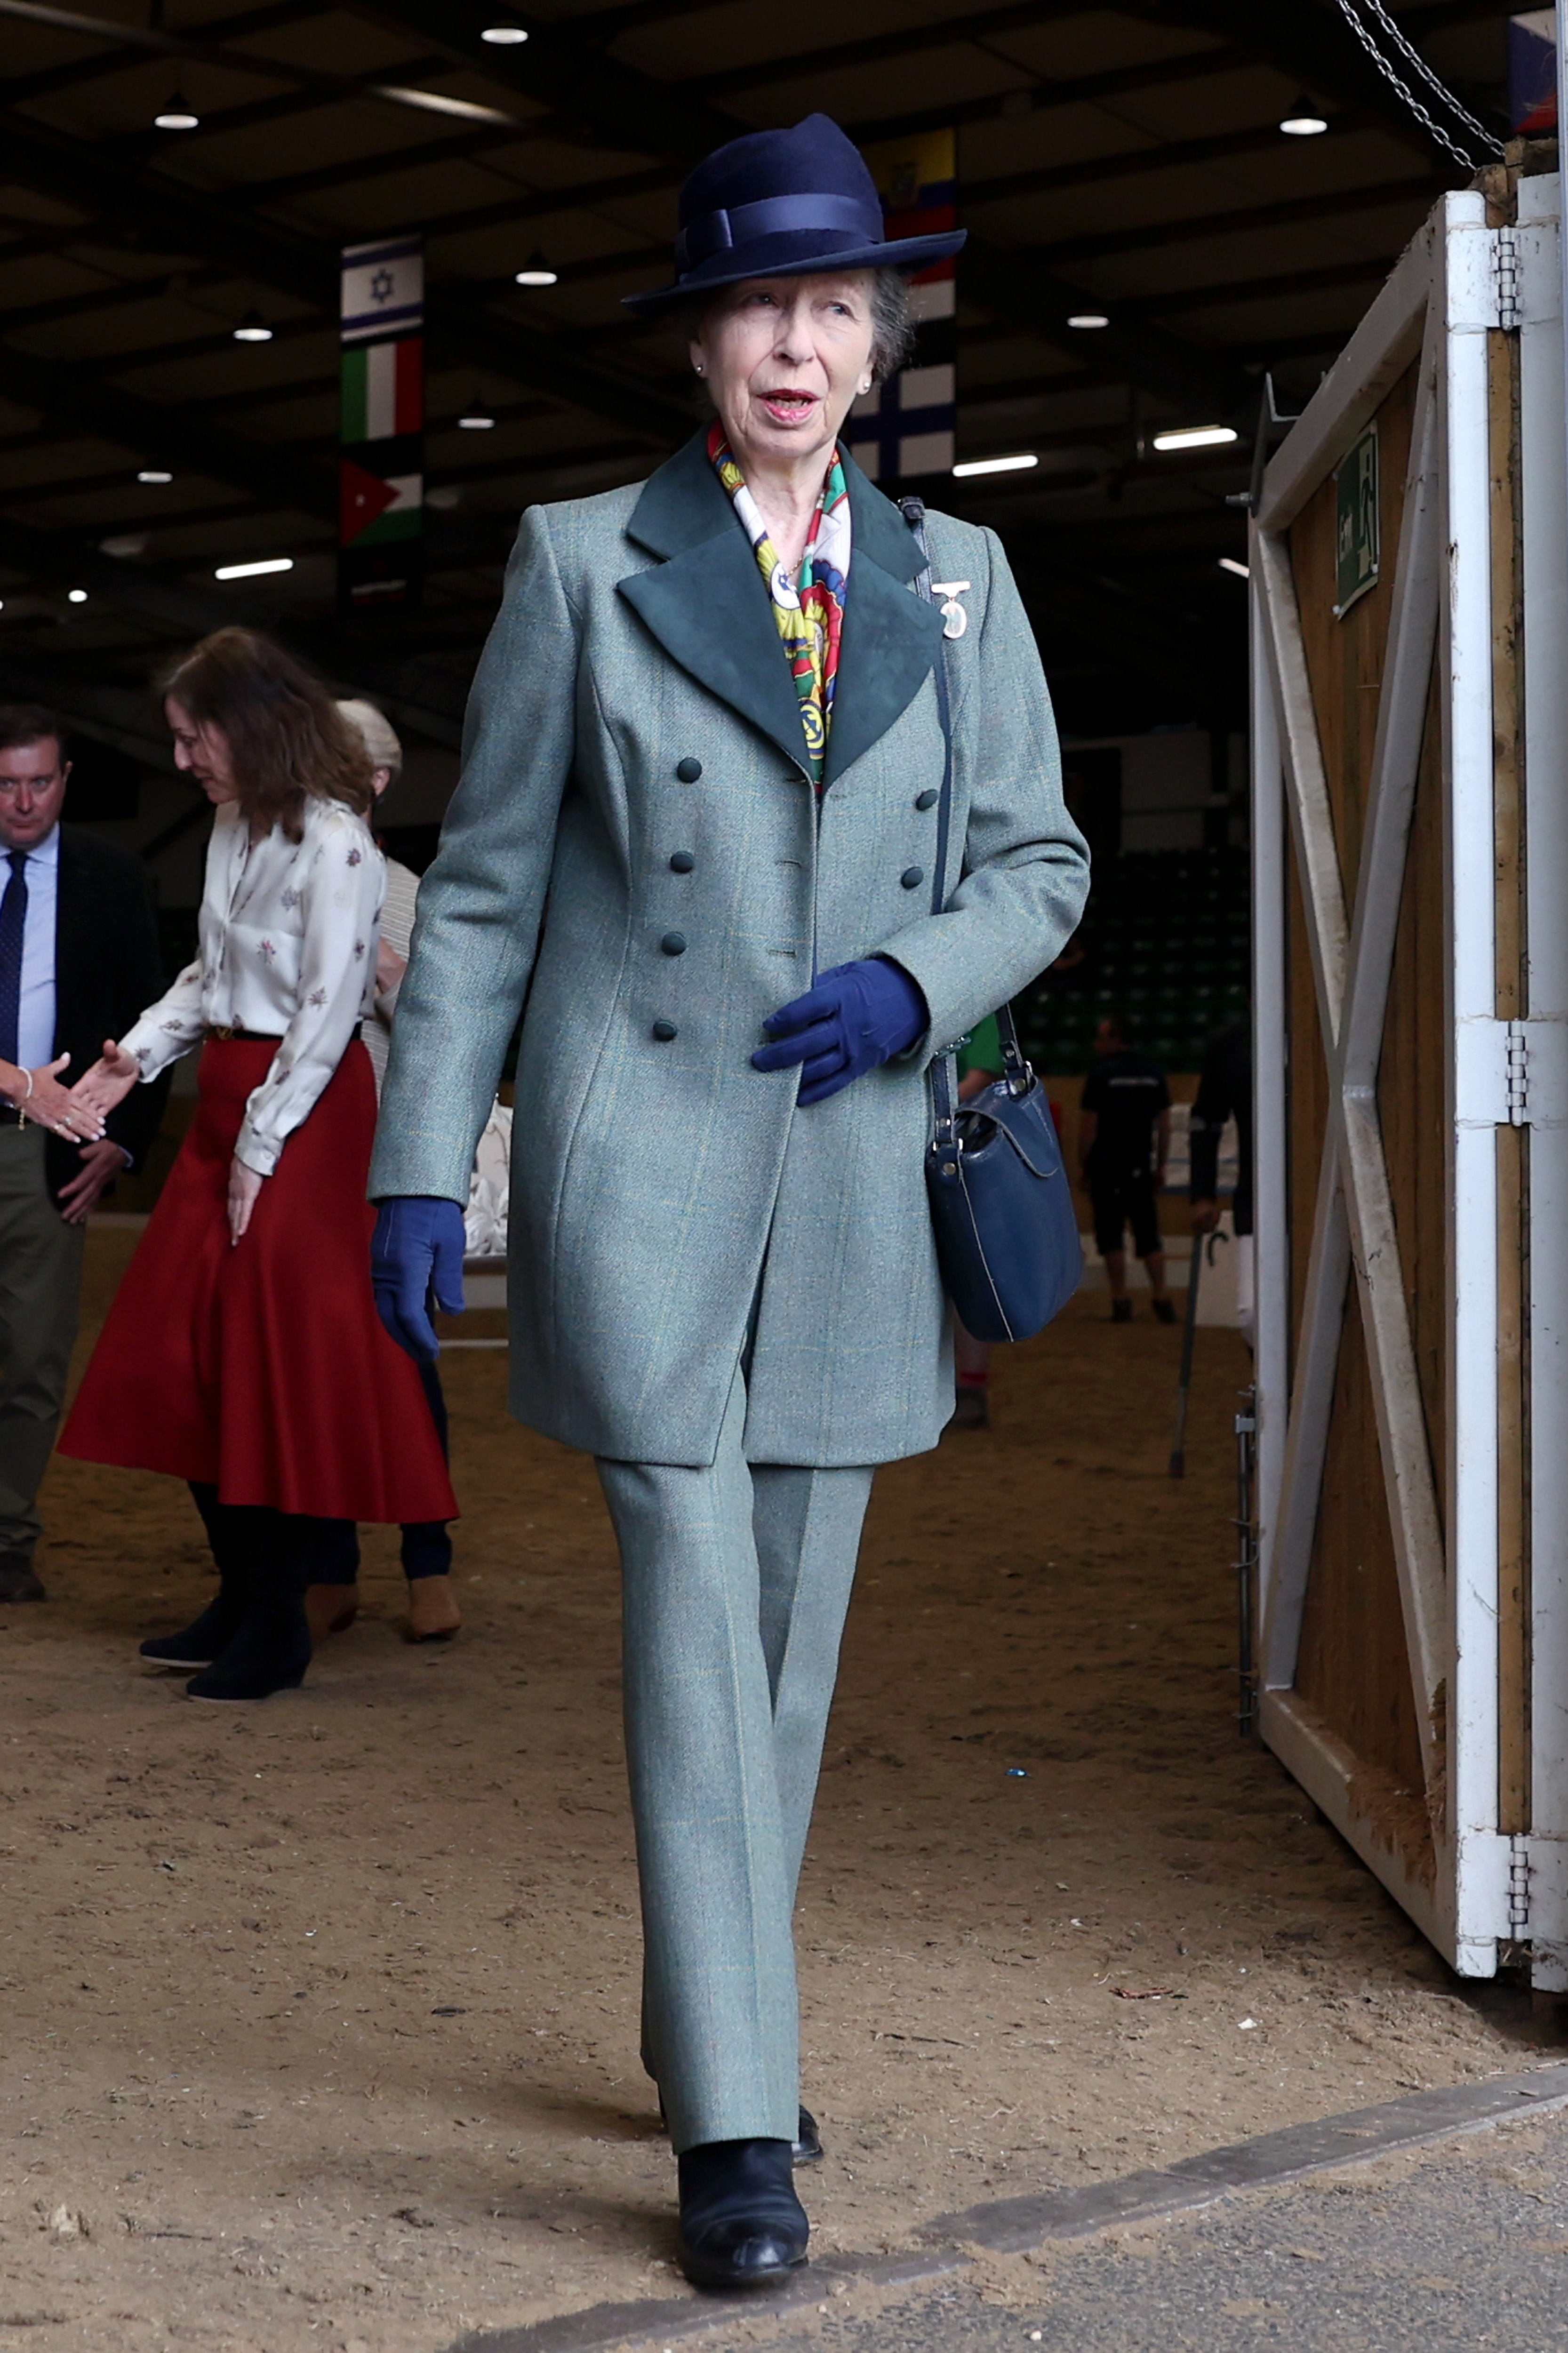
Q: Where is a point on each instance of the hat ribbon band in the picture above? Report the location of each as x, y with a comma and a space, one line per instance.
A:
716, 232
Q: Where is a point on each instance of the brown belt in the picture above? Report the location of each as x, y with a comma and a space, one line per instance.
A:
226, 1035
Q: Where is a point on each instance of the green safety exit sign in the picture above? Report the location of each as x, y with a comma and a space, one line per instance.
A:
1356, 540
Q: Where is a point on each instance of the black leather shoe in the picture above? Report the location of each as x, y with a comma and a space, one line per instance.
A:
203, 1640
741, 2225
18, 1579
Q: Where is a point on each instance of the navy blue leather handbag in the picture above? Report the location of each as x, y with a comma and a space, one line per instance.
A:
1002, 1207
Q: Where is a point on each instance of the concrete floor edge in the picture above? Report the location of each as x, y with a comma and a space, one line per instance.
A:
1014, 2224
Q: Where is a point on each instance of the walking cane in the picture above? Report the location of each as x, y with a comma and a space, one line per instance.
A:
1189, 1336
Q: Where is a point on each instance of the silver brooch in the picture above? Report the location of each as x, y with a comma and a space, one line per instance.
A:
954, 619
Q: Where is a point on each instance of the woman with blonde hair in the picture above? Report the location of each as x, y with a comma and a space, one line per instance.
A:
332, 1597
243, 1352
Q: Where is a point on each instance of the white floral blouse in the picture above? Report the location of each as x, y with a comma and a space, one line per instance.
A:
288, 936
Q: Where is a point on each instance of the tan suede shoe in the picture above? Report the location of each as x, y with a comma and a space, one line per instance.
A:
433, 1613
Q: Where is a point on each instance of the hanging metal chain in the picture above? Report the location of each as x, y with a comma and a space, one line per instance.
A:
1369, 43
1433, 81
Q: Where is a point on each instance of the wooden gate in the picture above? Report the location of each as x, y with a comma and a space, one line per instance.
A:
1409, 718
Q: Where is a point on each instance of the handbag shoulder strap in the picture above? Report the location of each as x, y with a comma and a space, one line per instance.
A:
1015, 1069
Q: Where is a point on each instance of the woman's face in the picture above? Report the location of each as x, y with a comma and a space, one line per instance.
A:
785, 358
202, 750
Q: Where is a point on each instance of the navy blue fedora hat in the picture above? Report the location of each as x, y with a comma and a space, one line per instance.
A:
781, 204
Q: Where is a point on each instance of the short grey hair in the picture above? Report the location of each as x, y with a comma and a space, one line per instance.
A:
893, 328
377, 734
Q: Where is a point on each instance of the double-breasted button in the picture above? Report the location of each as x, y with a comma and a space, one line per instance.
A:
664, 1031
929, 798
912, 877
689, 770
682, 862
673, 944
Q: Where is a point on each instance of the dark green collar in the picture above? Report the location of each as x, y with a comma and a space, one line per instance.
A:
707, 605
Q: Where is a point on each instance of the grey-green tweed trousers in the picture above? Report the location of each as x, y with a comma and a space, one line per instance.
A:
736, 1582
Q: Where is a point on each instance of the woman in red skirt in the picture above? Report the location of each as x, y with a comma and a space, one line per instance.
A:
243, 1352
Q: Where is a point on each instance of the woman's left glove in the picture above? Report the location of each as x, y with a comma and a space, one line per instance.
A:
418, 1255
857, 1017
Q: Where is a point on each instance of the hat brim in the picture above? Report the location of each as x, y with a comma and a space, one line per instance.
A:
901, 253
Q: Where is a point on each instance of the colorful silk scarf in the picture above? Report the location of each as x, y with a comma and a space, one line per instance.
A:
809, 611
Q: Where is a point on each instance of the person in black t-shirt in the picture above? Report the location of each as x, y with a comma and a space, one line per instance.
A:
1124, 1134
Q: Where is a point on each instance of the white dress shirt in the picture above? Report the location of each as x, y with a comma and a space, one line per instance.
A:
287, 938
36, 1005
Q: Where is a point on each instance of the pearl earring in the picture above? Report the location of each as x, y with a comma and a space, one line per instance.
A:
698, 367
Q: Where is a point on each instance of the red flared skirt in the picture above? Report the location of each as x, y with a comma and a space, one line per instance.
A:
262, 1367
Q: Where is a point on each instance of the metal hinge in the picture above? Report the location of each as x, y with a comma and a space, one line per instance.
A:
1511, 1073
1517, 1075
1505, 279
1519, 1869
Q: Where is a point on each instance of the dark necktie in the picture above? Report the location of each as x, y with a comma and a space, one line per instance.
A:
12, 925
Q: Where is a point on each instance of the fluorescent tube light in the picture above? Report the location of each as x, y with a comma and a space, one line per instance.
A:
254, 570
1229, 564
1196, 437
504, 37
1017, 465
435, 101
76, 596
1088, 319
154, 474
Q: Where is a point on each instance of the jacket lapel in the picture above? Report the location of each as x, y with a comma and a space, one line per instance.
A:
891, 637
706, 604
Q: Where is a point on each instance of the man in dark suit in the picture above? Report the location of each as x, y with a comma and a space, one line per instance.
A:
78, 960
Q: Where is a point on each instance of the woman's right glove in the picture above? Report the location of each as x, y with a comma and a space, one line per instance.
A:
416, 1256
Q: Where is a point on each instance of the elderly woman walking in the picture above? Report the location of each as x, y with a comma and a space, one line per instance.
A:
694, 845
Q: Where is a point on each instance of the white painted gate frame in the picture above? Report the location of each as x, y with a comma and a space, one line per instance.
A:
1440, 302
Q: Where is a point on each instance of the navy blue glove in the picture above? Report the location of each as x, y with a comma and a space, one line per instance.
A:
418, 1255
858, 1017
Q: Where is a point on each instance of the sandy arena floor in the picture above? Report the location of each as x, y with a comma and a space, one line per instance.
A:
320, 2021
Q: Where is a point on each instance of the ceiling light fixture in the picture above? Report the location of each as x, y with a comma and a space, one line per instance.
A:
435, 101
538, 273
503, 36
177, 115
1196, 437
1016, 465
1303, 121
253, 329
254, 570
1088, 319
476, 417
76, 596
1229, 564
154, 474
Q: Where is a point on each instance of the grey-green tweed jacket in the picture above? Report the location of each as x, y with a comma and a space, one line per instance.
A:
636, 861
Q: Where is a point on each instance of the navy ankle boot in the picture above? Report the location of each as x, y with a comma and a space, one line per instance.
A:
270, 1649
